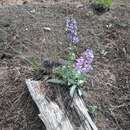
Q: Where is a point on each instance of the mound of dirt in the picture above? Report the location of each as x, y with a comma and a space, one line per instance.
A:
24, 38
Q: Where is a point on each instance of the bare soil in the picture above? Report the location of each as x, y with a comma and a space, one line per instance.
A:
23, 37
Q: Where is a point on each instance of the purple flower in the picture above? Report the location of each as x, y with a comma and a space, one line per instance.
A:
83, 63
71, 26
89, 55
73, 38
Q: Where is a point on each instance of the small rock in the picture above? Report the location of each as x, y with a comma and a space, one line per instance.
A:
89, 13
109, 25
103, 52
26, 29
47, 29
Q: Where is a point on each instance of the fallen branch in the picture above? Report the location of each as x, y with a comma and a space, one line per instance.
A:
52, 116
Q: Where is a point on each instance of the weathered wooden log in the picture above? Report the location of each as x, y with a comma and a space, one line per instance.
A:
50, 113
84, 115
52, 116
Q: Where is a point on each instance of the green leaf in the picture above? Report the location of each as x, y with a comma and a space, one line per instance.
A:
56, 81
71, 82
72, 90
80, 92
92, 109
81, 82
71, 57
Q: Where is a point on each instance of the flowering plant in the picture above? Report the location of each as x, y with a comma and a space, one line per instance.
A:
104, 3
73, 73
84, 62
71, 28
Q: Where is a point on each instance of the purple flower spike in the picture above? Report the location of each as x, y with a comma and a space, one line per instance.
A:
89, 55
83, 63
71, 26
73, 38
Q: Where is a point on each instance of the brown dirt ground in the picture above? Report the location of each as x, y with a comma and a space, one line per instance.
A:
23, 37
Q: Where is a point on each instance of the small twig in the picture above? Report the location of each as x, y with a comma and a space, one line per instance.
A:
117, 107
